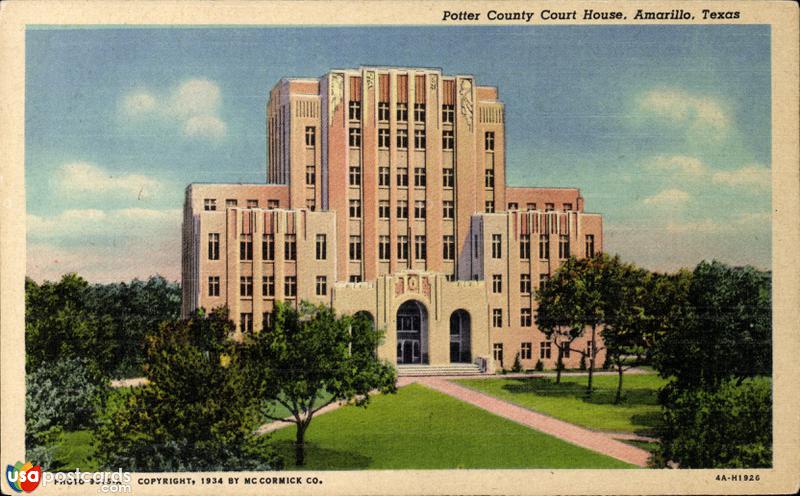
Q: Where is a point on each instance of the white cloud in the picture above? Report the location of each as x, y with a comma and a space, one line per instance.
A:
679, 164
81, 225
668, 197
193, 106
81, 178
683, 108
750, 176
704, 226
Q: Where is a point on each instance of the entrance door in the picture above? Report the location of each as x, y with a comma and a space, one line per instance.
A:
412, 333
460, 346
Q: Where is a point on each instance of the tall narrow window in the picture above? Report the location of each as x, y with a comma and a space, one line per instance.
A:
383, 137
419, 139
448, 140
268, 247
420, 248
448, 113
544, 246
563, 246
209, 204
525, 318
525, 351
544, 350
383, 209
419, 177
448, 177
246, 322
383, 111
525, 246
449, 248
322, 247
402, 176
311, 175
590, 245
213, 286
489, 207
383, 248
290, 247
290, 286
497, 246
497, 317
497, 353
322, 285
402, 112
268, 286
311, 204
488, 178
355, 209
419, 112
355, 247
246, 286
213, 246
488, 141
402, 139
355, 176
525, 284
354, 111
246, 247
383, 176
419, 209
311, 136
543, 278
497, 283
402, 209
448, 209
402, 247
355, 137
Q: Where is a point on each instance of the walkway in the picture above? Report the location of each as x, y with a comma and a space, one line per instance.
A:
585, 438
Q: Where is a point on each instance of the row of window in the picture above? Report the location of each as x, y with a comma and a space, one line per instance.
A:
268, 247
526, 351
544, 246
267, 286
420, 139
210, 204
354, 112
548, 207
524, 283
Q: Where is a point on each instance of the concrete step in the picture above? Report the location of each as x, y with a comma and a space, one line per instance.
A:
433, 370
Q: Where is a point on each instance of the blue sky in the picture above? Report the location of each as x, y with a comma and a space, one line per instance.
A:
665, 129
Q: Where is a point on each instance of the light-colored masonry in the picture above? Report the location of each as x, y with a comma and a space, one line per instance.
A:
386, 194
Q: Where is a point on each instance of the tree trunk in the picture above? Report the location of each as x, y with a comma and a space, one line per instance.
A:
299, 445
560, 364
591, 362
619, 383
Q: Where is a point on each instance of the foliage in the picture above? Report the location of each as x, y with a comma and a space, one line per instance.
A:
196, 412
539, 366
517, 367
582, 364
309, 351
730, 427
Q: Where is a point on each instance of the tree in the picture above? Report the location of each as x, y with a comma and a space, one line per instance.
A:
308, 353
196, 412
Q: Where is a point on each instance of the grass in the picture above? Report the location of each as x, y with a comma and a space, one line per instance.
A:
638, 412
422, 429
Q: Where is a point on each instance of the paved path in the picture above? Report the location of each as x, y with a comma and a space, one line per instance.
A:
585, 438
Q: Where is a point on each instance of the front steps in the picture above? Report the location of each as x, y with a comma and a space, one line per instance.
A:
417, 370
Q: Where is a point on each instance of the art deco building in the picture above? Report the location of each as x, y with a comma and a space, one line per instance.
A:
386, 194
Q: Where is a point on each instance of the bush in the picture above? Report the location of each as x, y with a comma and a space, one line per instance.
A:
730, 427
582, 365
517, 367
539, 366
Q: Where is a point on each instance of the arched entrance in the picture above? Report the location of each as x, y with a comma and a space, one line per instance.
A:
460, 349
412, 333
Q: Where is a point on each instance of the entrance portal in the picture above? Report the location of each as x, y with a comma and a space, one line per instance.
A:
412, 333
460, 349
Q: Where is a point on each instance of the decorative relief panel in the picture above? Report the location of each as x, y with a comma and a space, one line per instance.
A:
467, 107
336, 94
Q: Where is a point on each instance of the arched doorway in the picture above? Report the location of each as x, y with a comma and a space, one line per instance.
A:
412, 333
460, 349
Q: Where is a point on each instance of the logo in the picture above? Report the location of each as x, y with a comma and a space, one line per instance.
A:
23, 477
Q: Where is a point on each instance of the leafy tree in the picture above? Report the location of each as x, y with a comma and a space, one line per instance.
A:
729, 427
307, 353
196, 413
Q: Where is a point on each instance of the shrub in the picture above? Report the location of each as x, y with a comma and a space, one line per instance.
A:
517, 367
582, 365
539, 366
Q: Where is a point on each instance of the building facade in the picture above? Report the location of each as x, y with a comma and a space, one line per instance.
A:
386, 194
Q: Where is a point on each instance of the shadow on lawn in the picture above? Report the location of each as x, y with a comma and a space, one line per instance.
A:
318, 458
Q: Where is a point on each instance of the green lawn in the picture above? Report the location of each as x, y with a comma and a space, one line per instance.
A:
418, 428
638, 412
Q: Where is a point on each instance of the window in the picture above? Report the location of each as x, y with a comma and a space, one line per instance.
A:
246, 322
565, 350
355, 176
213, 286
525, 284
290, 286
449, 248
268, 286
497, 353
383, 111
383, 138
402, 209
543, 278
420, 249
488, 141
513, 206
590, 245
311, 204
448, 177
402, 112
402, 247
266, 320
497, 317
448, 209
419, 139
544, 246
213, 246
525, 246
322, 285
489, 207
383, 248
488, 178
563, 246
355, 209
531, 206
231, 202
419, 112
355, 137
402, 176
526, 351
448, 113
268, 247
419, 177
476, 246
355, 278
497, 283
354, 111
246, 286
419, 209
549, 207
311, 136
448, 140
567, 207
246, 247
355, 247
497, 246
290, 247
311, 175
273, 203
383, 209
544, 350
209, 204
383, 176
402, 139
322, 247
525, 317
